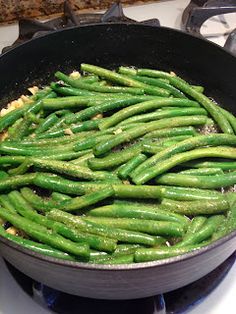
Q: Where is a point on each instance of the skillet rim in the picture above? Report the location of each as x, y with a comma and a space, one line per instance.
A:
121, 267
127, 24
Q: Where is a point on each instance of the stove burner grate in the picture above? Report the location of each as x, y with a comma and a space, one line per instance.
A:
198, 11
29, 28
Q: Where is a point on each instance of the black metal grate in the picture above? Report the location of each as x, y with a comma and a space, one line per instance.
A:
29, 28
198, 11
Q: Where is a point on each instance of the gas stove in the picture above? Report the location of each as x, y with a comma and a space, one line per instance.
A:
215, 293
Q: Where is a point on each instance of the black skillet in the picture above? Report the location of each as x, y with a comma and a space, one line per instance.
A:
198, 61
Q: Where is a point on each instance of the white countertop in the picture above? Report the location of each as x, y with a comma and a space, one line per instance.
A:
15, 301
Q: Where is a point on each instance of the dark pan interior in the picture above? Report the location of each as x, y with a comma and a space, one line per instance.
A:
118, 44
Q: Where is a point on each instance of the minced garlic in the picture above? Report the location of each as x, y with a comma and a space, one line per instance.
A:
68, 132
98, 116
33, 90
75, 75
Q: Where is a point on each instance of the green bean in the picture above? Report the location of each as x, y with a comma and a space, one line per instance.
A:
67, 102
70, 155
42, 93
153, 254
143, 107
202, 171
70, 169
59, 184
69, 204
124, 249
80, 127
198, 88
126, 136
124, 80
12, 130
209, 105
17, 181
14, 115
22, 169
3, 175
36, 247
55, 141
114, 233
159, 114
195, 181
47, 123
89, 199
62, 112
158, 146
82, 161
15, 160
164, 165
188, 144
116, 260
24, 209
193, 208
60, 123
100, 83
103, 89
37, 202
175, 131
23, 129
114, 159
163, 228
60, 147
124, 172
127, 70
206, 231
196, 224
6, 203
154, 212
59, 196
55, 183
17, 149
230, 117
69, 91
89, 79
35, 118
230, 223
224, 165
103, 107
11, 117
90, 142
46, 236
94, 255
156, 82
188, 194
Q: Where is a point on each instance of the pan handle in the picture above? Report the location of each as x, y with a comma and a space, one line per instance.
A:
198, 11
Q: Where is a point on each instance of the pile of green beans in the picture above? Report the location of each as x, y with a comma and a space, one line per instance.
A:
113, 167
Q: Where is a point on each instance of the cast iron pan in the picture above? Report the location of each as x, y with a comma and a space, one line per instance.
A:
198, 61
